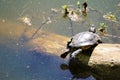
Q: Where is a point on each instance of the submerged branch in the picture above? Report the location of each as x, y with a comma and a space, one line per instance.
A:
71, 26
45, 22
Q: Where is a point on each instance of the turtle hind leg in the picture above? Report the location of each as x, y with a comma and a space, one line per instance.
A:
75, 53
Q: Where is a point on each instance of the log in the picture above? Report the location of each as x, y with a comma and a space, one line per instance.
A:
48, 42
105, 59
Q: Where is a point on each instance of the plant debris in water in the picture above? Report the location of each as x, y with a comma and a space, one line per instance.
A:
118, 5
75, 14
103, 29
110, 17
26, 20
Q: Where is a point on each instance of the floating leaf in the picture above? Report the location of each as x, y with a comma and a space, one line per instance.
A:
109, 16
64, 6
102, 25
102, 29
78, 3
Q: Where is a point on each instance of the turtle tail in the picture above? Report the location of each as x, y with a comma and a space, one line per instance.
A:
68, 44
99, 41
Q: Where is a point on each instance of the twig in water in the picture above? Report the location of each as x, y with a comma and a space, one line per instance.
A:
71, 26
113, 36
49, 18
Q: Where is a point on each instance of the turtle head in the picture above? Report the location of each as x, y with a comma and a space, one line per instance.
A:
92, 28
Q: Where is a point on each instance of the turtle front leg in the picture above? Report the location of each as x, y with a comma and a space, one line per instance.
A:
65, 53
75, 53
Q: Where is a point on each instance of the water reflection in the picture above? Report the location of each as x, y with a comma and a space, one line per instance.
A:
26, 65
78, 70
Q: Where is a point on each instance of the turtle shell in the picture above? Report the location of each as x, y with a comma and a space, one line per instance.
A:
84, 39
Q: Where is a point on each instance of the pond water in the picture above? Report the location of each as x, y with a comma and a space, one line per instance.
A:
18, 63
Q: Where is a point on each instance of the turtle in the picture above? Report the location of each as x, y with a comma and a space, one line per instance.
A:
82, 41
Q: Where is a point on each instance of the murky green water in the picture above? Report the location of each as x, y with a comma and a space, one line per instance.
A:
17, 63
